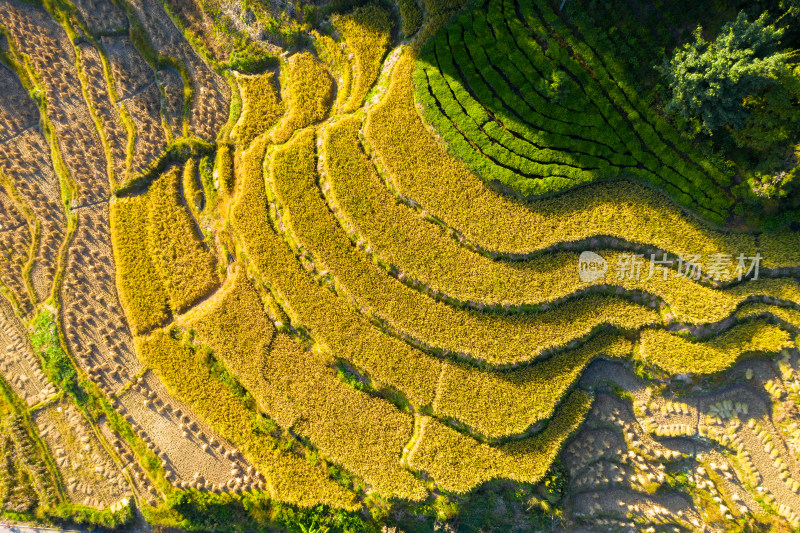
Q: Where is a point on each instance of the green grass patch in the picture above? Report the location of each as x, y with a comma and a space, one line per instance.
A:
55, 362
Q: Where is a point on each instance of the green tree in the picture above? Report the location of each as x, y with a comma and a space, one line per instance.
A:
773, 118
711, 80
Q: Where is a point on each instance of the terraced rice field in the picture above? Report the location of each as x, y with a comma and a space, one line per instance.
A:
443, 258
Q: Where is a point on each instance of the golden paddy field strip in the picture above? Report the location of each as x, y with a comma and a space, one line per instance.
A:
677, 355
186, 265
310, 91
422, 254
458, 464
496, 339
301, 391
261, 108
142, 293
385, 359
366, 33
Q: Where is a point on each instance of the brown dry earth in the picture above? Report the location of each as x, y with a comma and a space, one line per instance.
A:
209, 107
89, 474
613, 471
192, 454
15, 246
101, 15
26, 160
106, 110
136, 87
46, 44
171, 85
740, 418
784, 390
19, 455
15, 119
696, 428
18, 365
93, 319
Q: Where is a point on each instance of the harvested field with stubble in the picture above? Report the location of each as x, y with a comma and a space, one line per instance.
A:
93, 323
102, 102
138, 93
173, 94
48, 48
18, 111
32, 192
31, 175
211, 94
15, 248
438, 265
101, 15
89, 474
192, 455
20, 366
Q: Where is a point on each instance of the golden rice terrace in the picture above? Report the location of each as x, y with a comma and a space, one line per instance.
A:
400, 265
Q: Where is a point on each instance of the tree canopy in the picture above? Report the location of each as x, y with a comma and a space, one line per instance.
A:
710, 80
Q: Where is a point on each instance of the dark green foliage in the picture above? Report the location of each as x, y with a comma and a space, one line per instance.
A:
321, 519
237, 36
249, 58
202, 511
76, 514
772, 117
709, 81
494, 506
741, 89
759, 154
410, 16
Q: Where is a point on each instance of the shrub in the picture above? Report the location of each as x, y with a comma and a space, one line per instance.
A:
55, 363
420, 169
410, 16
